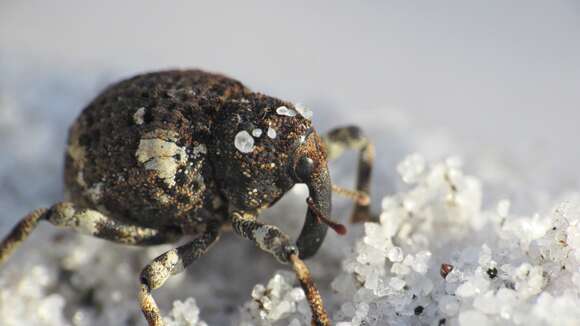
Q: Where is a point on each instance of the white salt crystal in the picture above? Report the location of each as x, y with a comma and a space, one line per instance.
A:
280, 310
348, 309
184, 314
396, 283
294, 322
409, 260
411, 168
304, 111
344, 323
303, 308
271, 133
258, 291
523, 271
362, 310
257, 132
420, 263
282, 110
297, 294
503, 208
389, 203
425, 286
484, 255
400, 269
486, 303
473, 318
372, 278
480, 281
396, 254
466, 290
449, 305
506, 300
244, 142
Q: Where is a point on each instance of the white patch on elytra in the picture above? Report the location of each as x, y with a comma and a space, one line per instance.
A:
271, 132
162, 156
138, 117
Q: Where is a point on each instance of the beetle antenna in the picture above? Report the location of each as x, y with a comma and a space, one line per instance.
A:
359, 197
337, 227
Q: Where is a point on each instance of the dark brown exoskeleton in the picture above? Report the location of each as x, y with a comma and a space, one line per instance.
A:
183, 153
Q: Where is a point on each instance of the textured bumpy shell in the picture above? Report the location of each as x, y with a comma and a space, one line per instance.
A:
138, 152
158, 150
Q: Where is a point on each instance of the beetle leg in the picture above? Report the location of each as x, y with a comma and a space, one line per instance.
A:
85, 221
336, 142
270, 239
95, 223
20, 232
170, 263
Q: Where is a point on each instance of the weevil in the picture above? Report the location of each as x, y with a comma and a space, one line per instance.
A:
188, 153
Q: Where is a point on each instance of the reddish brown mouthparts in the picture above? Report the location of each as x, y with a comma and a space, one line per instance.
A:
337, 227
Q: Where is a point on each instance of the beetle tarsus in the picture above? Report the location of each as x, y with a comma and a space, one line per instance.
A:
20, 232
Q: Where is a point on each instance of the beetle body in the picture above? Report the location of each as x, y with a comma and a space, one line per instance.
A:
158, 150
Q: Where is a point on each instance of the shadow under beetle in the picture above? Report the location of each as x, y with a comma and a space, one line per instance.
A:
183, 153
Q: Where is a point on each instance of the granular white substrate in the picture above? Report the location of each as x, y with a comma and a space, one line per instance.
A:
506, 269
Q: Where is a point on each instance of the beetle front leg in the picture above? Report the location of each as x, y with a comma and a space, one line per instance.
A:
20, 232
92, 222
85, 221
340, 139
170, 263
270, 239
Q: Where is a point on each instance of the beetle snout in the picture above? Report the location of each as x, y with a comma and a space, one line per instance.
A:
313, 231
310, 167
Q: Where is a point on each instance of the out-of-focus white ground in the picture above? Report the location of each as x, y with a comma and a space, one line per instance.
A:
495, 83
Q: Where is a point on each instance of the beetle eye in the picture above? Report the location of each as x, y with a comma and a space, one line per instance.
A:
304, 168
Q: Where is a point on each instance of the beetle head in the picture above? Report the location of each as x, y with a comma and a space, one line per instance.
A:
256, 175
285, 150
